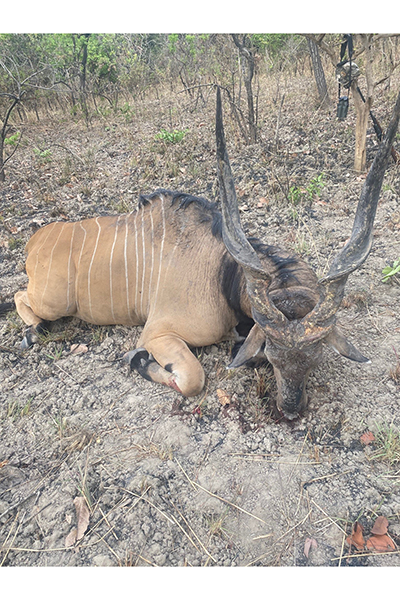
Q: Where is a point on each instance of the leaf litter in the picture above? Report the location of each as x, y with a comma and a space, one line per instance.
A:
379, 541
82, 518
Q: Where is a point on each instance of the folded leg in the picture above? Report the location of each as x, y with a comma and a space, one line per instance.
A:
168, 360
36, 324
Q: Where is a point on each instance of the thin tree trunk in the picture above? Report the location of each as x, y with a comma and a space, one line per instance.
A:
3, 134
319, 73
247, 63
83, 75
362, 116
2, 173
363, 107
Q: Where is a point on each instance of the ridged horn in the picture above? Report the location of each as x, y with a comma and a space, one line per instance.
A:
234, 238
355, 252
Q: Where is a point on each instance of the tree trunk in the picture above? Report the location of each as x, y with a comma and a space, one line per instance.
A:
3, 135
2, 174
362, 116
247, 62
319, 73
83, 75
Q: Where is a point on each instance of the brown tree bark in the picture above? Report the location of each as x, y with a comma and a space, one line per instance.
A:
319, 73
362, 116
247, 57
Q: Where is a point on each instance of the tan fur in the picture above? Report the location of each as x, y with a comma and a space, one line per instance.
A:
134, 269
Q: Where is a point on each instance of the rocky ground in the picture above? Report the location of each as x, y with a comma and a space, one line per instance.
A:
99, 467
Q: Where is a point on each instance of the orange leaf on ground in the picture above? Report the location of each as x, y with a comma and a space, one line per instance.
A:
380, 543
223, 397
262, 202
380, 526
367, 438
356, 538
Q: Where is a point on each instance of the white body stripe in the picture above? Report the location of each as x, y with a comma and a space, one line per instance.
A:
111, 258
160, 258
143, 266
50, 263
69, 268
126, 267
37, 256
78, 266
152, 258
90, 267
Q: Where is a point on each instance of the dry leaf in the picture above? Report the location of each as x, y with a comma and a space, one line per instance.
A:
309, 543
223, 397
380, 543
262, 202
380, 526
367, 438
78, 349
82, 515
356, 538
71, 538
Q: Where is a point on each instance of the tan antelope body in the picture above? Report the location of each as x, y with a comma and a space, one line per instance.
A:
135, 269
188, 274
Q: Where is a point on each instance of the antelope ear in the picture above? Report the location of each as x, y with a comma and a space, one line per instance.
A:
250, 347
338, 342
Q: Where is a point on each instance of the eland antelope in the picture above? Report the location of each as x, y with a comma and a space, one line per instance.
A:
189, 275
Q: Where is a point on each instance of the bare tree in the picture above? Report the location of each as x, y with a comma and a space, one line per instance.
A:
248, 66
319, 73
12, 99
18, 87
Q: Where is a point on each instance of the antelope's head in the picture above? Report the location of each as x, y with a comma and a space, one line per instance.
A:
294, 346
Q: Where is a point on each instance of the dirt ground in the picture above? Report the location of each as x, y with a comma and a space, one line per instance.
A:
169, 481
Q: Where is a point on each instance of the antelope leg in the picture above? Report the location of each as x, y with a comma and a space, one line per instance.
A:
168, 360
36, 324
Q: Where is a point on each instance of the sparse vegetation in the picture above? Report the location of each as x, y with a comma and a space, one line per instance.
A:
157, 473
390, 272
15, 410
394, 372
387, 444
216, 524
171, 137
309, 193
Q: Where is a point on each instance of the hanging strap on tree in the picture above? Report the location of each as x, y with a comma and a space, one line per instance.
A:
344, 73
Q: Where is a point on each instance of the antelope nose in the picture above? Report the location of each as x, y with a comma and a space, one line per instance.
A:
292, 406
290, 416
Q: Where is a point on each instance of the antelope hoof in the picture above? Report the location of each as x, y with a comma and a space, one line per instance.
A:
140, 360
29, 338
32, 335
291, 416
137, 358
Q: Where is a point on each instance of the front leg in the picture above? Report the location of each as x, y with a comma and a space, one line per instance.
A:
168, 360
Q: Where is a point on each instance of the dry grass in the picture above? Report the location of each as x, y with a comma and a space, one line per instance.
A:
387, 444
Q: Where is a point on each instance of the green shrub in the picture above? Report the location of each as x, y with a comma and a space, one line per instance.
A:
171, 137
